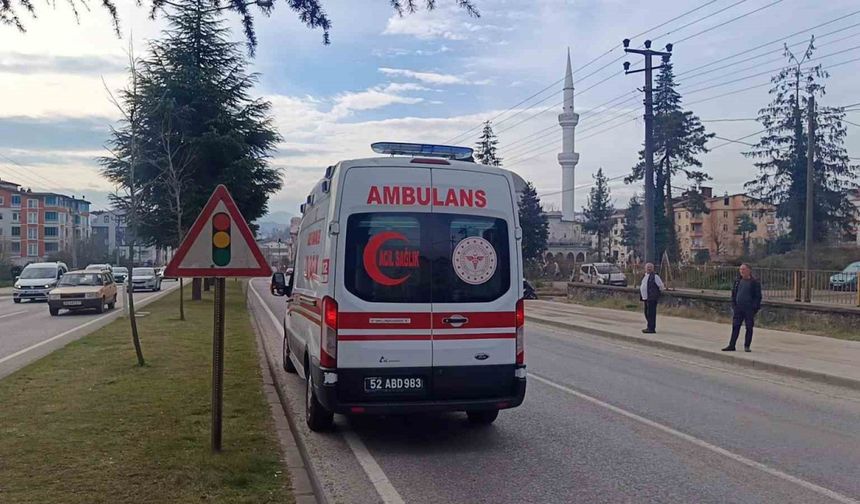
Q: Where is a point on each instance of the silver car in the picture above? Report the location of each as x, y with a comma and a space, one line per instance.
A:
145, 279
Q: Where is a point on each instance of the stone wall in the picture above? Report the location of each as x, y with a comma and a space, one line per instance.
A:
772, 312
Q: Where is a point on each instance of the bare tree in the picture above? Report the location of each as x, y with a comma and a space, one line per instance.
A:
126, 159
178, 158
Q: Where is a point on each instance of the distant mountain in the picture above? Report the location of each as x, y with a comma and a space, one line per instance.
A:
275, 223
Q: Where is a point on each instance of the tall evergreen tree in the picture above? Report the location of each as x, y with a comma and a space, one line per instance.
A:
534, 224
746, 226
632, 235
679, 137
486, 151
781, 152
195, 76
598, 212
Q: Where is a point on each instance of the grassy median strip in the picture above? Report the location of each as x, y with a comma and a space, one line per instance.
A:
86, 425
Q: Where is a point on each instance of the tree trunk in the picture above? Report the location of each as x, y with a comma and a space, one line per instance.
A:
600, 247
672, 233
181, 300
196, 289
135, 337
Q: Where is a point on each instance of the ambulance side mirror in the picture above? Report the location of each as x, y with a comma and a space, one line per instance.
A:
278, 286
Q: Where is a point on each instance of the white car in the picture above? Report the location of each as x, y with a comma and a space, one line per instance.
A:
407, 294
36, 280
145, 279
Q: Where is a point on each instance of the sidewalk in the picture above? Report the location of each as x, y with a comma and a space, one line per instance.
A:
5, 292
817, 358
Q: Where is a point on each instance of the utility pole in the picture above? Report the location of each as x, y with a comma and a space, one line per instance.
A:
648, 53
810, 168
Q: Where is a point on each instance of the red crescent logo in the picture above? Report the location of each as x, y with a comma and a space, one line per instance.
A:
371, 252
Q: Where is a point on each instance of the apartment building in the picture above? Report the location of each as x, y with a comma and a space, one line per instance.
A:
715, 231
111, 237
35, 226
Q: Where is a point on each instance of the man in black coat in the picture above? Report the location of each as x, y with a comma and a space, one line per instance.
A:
746, 302
649, 291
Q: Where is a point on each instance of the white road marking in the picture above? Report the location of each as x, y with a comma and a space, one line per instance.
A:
378, 479
374, 472
701, 443
13, 313
66, 333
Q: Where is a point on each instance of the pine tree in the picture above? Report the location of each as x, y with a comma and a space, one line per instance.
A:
781, 152
534, 224
746, 226
679, 137
598, 212
194, 90
632, 234
486, 151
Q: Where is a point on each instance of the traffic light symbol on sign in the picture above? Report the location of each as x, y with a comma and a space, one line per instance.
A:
221, 239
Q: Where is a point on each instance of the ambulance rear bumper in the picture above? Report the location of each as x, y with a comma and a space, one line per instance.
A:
334, 398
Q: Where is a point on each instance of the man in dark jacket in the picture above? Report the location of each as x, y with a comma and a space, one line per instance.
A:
649, 291
746, 302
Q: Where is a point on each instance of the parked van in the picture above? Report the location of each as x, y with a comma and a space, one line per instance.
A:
602, 274
36, 280
407, 294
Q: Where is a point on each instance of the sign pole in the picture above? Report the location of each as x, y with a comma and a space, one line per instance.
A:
218, 245
218, 364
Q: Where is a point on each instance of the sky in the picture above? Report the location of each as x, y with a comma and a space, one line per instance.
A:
433, 77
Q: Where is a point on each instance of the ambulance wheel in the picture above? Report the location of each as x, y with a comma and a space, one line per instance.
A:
289, 367
316, 416
484, 417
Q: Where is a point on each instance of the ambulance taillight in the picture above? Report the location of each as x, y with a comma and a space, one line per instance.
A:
328, 334
520, 324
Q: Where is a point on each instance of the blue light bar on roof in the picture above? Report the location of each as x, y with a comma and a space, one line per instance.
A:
429, 150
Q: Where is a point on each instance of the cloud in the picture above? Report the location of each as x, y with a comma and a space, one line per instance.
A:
428, 77
21, 63
54, 133
370, 99
393, 52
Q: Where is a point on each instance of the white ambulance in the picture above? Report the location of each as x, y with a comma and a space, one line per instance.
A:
406, 294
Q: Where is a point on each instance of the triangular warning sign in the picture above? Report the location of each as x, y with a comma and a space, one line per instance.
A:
219, 244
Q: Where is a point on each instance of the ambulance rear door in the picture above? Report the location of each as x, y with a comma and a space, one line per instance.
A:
474, 285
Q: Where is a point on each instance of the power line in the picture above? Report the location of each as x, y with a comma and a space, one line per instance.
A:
837, 19
729, 21
48, 183
605, 53
803, 42
766, 72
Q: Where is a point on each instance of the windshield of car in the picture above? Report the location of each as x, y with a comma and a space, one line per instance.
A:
97, 267
143, 272
80, 279
605, 269
120, 270
852, 268
43, 272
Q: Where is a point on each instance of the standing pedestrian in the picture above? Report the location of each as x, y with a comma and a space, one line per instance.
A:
746, 302
649, 292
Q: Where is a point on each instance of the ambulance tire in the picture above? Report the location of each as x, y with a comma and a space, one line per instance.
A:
289, 367
483, 417
317, 417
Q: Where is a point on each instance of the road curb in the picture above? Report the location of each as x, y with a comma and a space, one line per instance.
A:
723, 356
310, 476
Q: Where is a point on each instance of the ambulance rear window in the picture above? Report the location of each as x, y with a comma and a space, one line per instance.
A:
426, 257
388, 258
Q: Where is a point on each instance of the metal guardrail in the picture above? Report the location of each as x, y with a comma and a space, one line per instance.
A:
824, 287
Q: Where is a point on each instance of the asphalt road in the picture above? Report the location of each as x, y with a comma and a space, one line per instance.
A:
28, 332
602, 422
